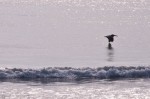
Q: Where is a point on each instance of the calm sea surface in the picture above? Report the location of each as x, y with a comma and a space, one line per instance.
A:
70, 33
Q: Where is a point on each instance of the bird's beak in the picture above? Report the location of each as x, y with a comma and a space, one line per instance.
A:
116, 35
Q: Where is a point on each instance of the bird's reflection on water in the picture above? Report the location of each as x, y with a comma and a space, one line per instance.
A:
110, 53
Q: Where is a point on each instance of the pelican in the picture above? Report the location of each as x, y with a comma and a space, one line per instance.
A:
110, 37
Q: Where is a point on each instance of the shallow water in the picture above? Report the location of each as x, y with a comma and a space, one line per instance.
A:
123, 89
71, 33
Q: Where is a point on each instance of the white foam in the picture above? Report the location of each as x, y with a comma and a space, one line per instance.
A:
77, 73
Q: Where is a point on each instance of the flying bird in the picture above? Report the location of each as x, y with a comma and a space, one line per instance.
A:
110, 37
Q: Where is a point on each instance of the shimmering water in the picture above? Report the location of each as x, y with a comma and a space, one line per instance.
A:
126, 89
70, 33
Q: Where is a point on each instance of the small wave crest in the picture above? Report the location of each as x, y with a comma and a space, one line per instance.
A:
76, 73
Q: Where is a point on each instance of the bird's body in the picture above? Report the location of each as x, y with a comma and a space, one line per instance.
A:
110, 37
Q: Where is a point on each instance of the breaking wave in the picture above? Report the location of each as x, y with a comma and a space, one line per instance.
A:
76, 73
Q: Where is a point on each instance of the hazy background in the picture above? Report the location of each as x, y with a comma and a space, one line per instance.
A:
71, 32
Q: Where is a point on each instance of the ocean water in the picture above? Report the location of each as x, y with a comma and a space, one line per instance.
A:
124, 89
56, 49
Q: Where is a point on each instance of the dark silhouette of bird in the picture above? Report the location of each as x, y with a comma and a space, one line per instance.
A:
110, 37
109, 46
